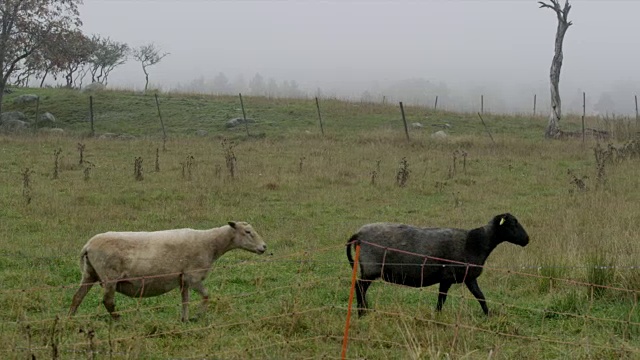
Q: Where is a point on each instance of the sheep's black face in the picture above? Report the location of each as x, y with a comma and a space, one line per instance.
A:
509, 229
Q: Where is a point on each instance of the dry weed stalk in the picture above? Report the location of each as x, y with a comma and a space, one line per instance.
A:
81, 151
90, 334
27, 328
230, 157
26, 185
627, 151
56, 162
302, 158
374, 175
157, 159
453, 169
455, 157
602, 156
87, 170
403, 173
577, 181
54, 339
137, 169
456, 200
464, 161
187, 164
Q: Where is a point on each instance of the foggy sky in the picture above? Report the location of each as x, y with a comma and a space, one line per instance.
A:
500, 48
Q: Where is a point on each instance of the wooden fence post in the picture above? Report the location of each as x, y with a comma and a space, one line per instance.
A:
637, 118
319, 116
584, 112
93, 132
404, 120
164, 133
35, 123
244, 115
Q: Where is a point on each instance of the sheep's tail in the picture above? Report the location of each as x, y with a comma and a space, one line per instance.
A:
83, 258
352, 241
85, 265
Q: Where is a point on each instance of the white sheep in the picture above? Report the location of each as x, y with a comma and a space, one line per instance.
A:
145, 264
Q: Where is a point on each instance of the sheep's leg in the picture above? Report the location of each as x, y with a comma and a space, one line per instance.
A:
184, 291
472, 285
199, 288
361, 295
85, 286
442, 293
109, 298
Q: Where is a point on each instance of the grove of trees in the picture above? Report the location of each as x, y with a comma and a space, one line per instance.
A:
41, 40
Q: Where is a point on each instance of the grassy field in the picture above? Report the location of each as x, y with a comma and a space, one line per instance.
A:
306, 194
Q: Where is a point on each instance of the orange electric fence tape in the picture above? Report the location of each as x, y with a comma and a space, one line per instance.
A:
345, 340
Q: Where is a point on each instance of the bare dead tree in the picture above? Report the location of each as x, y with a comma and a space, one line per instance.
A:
553, 129
148, 55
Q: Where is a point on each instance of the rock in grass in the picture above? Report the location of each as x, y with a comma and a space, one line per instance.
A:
237, 121
12, 115
93, 87
25, 99
107, 136
13, 126
439, 135
47, 120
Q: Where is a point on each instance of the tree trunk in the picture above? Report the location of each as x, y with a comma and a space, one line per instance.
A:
553, 127
3, 85
146, 77
44, 77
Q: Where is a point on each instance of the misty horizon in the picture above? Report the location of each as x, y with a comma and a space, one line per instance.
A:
366, 50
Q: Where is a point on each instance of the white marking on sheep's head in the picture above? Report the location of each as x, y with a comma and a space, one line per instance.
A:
509, 229
245, 237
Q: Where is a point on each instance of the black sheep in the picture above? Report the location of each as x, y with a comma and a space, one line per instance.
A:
417, 257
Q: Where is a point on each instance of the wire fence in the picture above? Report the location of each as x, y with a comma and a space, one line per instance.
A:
49, 332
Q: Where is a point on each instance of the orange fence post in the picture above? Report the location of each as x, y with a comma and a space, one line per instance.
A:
345, 340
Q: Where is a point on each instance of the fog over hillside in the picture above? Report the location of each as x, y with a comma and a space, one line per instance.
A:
366, 50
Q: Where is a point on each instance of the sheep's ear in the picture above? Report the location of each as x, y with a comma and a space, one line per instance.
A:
502, 221
232, 224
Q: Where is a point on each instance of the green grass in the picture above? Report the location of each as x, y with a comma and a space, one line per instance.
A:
292, 304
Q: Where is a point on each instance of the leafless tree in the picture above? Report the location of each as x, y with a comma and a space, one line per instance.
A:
553, 129
148, 55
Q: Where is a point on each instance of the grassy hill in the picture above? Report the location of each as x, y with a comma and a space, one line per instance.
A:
183, 114
306, 194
